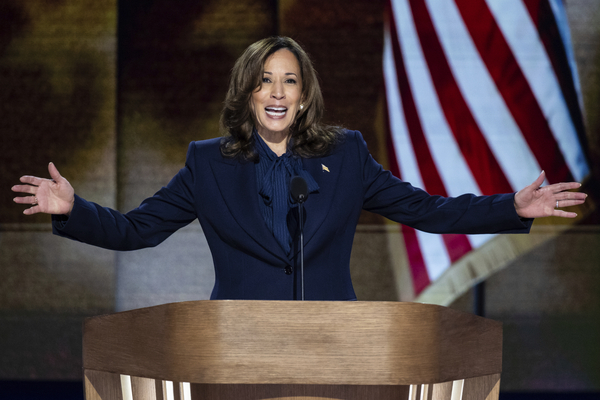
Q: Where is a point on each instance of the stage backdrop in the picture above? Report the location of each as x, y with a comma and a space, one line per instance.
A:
114, 91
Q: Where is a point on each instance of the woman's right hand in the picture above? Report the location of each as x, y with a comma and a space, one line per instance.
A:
50, 196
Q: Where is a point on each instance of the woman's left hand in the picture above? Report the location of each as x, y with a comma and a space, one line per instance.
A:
534, 201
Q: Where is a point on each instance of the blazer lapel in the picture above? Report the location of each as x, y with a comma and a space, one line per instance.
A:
325, 171
237, 184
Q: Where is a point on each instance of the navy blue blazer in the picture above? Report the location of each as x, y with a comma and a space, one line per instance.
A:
249, 262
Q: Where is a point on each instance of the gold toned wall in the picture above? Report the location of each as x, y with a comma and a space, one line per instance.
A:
57, 103
113, 92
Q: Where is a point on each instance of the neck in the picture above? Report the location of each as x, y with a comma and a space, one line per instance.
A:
277, 141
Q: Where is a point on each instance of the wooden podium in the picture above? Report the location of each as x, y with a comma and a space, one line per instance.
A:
223, 349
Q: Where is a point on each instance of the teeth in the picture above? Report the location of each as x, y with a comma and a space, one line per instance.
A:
276, 111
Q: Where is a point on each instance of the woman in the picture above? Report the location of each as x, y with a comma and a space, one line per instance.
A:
237, 187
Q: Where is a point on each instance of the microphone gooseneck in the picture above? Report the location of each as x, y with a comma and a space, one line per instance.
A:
299, 193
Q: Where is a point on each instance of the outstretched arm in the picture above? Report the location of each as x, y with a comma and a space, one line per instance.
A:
50, 196
534, 201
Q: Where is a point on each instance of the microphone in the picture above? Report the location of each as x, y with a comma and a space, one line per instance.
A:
299, 192
299, 189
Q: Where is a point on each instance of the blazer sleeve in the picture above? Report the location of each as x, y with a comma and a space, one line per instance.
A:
399, 201
157, 217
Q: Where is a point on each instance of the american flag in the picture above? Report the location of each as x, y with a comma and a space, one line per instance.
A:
481, 96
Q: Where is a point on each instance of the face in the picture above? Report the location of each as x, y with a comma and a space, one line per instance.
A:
277, 101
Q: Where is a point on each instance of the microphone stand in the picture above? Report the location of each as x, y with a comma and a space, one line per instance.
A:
301, 199
299, 192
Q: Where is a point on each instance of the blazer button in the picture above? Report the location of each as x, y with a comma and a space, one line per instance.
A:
288, 270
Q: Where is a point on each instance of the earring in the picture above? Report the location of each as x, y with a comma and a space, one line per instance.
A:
301, 106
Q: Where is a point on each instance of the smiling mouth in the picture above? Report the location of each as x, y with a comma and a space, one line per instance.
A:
276, 112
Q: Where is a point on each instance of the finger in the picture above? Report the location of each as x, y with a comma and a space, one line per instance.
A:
570, 203
24, 189
23, 200
56, 176
32, 210
32, 180
26, 200
564, 214
561, 187
540, 179
570, 196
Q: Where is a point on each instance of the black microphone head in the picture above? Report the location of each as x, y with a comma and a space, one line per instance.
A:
299, 189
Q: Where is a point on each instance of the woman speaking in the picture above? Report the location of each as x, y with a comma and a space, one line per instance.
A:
238, 187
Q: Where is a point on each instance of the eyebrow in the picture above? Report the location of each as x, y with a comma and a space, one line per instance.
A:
287, 73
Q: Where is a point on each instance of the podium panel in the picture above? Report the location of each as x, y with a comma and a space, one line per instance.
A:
292, 350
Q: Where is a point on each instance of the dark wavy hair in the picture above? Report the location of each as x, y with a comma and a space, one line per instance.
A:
309, 137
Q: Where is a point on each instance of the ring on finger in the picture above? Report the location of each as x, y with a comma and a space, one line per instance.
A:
556, 203
35, 200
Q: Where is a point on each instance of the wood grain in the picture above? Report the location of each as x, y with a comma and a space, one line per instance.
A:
100, 385
143, 388
442, 391
479, 388
279, 342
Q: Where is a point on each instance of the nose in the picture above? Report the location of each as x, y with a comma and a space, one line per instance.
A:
277, 91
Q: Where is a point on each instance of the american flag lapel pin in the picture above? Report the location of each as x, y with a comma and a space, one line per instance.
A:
325, 167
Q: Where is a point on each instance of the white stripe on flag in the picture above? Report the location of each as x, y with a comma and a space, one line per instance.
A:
481, 94
523, 39
560, 14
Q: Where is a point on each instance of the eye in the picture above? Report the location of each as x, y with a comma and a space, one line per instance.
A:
266, 80
292, 81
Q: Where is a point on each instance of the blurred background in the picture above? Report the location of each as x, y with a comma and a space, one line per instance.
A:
113, 91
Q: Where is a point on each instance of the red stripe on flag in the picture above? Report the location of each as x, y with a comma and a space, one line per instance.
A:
547, 27
420, 277
456, 245
482, 162
514, 88
416, 262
